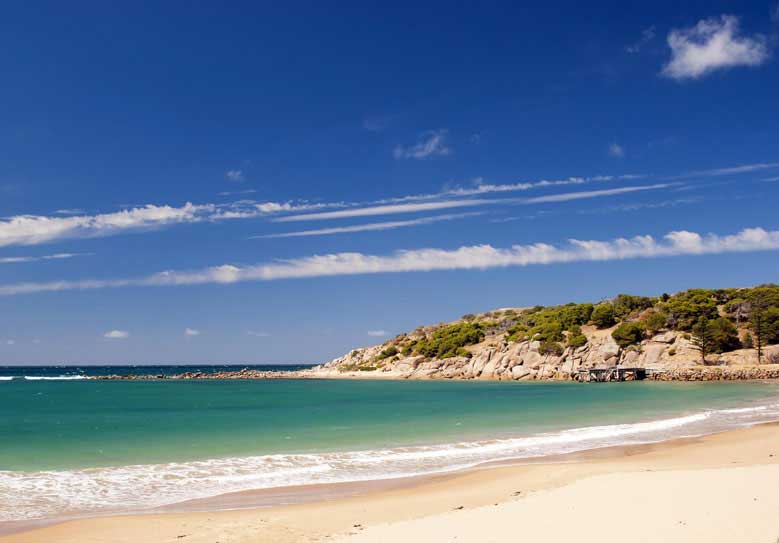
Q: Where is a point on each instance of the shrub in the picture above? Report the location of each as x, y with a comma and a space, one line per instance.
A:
748, 342
655, 321
576, 338
625, 304
628, 333
550, 347
603, 316
448, 340
388, 352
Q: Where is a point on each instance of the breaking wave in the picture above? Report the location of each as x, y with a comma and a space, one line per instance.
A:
45, 494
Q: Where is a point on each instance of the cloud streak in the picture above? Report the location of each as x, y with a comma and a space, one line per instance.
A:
474, 257
370, 227
392, 209
38, 229
25, 259
22, 230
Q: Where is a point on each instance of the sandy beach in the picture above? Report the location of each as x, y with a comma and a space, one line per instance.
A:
721, 487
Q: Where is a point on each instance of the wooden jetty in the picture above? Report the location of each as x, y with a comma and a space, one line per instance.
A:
616, 373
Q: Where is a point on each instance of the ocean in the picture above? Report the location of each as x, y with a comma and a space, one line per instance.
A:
70, 446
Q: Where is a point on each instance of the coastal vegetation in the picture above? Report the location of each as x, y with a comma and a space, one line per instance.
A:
710, 321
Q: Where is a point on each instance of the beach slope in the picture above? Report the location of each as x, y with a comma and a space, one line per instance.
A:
719, 488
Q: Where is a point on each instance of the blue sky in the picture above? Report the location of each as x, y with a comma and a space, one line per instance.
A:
254, 183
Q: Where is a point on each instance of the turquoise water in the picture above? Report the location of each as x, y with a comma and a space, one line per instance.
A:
64, 425
85, 446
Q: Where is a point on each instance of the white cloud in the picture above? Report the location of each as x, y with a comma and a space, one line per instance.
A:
615, 149
647, 35
479, 187
430, 144
393, 209
236, 192
116, 334
583, 195
384, 210
24, 259
770, 179
370, 227
69, 212
474, 257
35, 229
235, 175
712, 44
257, 334
377, 333
10, 342
190, 332
732, 170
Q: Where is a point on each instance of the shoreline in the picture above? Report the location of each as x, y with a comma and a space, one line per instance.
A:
739, 372
342, 503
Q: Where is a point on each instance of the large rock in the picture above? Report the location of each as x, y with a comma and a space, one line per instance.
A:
653, 352
532, 359
518, 372
666, 337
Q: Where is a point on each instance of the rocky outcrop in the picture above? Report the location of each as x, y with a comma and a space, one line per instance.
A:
666, 356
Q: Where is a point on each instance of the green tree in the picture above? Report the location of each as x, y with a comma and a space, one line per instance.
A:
724, 335
748, 342
701, 338
625, 304
603, 316
550, 347
757, 322
575, 337
655, 321
628, 333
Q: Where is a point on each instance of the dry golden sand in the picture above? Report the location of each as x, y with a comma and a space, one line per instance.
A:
720, 488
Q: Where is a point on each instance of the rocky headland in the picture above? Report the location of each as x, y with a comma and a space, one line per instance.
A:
695, 335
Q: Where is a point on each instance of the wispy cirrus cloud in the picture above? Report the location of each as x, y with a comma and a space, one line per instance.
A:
473, 257
35, 229
235, 175
370, 227
117, 334
25, 259
730, 170
38, 229
415, 207
647, 35
391, 209
479, 187
430, 144
712, 44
